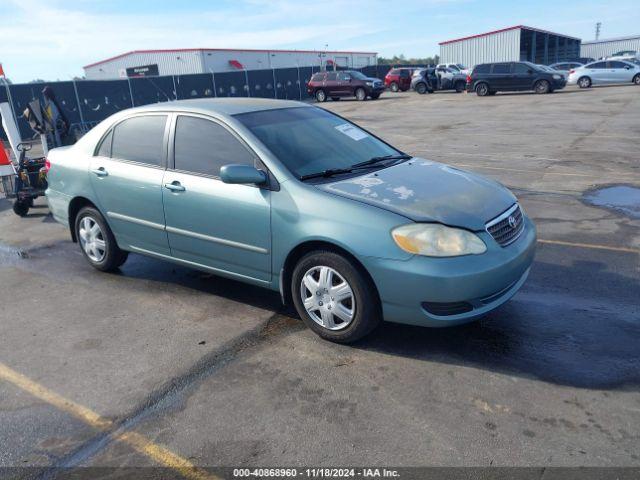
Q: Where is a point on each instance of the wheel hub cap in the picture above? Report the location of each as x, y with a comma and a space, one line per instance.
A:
327, 298
91, 239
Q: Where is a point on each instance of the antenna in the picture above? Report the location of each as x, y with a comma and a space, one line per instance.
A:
598, 25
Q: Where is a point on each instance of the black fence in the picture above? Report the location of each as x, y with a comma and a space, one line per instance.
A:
87, 102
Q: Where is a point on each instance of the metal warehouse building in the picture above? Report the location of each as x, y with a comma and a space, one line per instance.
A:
604, 48
140, 63
517, 43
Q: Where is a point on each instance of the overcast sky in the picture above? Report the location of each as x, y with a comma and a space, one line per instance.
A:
53, 39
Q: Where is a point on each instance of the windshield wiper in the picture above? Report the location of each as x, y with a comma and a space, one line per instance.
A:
326, 173
374, 160
358, 166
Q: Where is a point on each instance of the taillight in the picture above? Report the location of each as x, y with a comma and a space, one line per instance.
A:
468, 78
47, 165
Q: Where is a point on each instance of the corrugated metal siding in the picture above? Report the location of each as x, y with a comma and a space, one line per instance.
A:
207, 61
169, 63
497, 47
605, 48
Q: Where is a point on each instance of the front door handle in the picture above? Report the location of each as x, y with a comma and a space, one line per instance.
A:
174, 187
101, 172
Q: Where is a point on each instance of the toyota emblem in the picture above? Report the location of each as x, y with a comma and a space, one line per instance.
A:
512, 221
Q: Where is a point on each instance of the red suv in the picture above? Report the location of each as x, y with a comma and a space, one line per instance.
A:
398, 79
347, 83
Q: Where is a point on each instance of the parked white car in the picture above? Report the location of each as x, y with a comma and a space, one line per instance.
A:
605, 72
456, 67
565, 67
625, 55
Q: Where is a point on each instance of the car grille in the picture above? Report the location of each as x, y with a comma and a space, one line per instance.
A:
507, 227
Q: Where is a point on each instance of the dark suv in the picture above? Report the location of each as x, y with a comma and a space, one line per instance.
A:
347, 83
489, 78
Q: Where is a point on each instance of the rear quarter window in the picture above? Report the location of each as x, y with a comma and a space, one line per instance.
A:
484, 68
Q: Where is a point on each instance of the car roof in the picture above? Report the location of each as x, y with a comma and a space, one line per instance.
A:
221, 106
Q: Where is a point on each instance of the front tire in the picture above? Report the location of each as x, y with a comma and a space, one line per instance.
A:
360, 94
421, 88
97, 242
394, 87
321, 96
482, 89
334, 297
636, 79
541, 87
584, 82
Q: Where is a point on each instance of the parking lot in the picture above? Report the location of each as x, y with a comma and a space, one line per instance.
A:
159, 365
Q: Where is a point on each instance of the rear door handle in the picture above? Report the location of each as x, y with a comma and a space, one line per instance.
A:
101, 172
174, 187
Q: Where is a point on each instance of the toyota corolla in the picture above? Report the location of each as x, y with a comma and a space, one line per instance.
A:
293, 198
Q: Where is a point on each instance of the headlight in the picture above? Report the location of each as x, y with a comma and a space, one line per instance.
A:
434, 240
557, 77
369, 84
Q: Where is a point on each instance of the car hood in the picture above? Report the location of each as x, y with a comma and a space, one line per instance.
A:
427, 191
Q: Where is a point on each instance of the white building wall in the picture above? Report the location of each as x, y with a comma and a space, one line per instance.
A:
207, 61
169, 63
604, 48
495, 47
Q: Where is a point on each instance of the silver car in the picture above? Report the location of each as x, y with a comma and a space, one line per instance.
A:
565, 67
605, 72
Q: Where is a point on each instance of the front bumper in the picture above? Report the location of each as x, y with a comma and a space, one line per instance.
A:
440, 292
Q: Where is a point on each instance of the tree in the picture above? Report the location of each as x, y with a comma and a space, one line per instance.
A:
402, 60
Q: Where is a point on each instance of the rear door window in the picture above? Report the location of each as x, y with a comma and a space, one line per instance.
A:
598, 65
202, 146
140, 139
500, 68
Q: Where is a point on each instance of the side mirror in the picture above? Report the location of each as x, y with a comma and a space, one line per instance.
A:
242, 174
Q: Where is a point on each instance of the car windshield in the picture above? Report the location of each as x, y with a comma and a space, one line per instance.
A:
308, 140
358, 75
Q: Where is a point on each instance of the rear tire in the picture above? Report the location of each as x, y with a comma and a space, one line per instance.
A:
584, 82
482, 89
394, 87
20, 208
421, 88
636, 79
321, 96
97, 242
541, 87
360, 94
316, 303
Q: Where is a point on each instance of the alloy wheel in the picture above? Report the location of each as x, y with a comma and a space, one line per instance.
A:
327, 297
361, 94
92, 239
